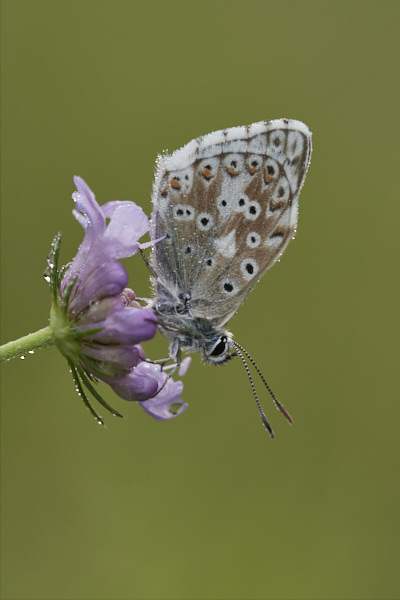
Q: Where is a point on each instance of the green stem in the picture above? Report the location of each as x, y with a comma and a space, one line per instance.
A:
44, 338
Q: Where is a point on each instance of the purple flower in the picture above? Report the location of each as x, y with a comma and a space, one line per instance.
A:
143, 382
97, 321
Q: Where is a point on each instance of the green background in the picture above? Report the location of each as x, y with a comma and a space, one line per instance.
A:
207, 506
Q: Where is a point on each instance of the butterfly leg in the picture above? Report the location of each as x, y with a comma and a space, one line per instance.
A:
175, 368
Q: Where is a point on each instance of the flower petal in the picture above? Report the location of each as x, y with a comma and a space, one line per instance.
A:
128, 223
100, 243
99, 310
108, 280
136, 386
120, 359
127, 326
184, 366
168, 403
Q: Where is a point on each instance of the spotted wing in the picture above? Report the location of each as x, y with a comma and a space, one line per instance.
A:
227, 205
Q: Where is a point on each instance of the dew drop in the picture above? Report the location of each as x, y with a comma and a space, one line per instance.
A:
31, 352
22, 357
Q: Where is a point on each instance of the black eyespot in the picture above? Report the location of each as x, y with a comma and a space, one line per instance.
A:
249, 268
254, 163
270, 170
188, 250
234, 163
179, 212
204, 221
252, 210
281, 192
228, 287
277, 141
208, 167
253, 239
242, 202
209, 262
188, 212
223, 202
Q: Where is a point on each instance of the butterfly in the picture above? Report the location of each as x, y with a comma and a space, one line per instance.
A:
225, 207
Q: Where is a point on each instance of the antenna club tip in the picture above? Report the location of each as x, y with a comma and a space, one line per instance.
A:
267, 427
285, 413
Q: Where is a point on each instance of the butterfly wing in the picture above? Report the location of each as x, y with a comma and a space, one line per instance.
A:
227, 205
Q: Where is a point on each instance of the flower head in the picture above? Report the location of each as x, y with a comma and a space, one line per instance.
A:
98, 323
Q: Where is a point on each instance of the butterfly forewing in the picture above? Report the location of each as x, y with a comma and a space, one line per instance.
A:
227, 205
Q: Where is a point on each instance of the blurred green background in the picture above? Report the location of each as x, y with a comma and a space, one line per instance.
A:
207, 506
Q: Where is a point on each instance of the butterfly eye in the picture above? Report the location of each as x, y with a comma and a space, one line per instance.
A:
221, 347
219, 353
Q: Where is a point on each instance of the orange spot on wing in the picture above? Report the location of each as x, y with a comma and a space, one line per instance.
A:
275, 205
231, 171
267, 178
206, 174
252, 170
175, 183
164, 191
279, 232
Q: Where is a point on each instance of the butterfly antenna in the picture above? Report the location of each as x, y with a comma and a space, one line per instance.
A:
278, 404
146, 262
260, 410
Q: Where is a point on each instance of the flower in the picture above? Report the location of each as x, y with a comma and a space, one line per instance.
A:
143, 382
97, 321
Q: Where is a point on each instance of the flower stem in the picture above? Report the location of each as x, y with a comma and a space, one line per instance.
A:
44, 338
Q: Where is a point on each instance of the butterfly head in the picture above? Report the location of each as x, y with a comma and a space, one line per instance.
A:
216, 348
197, 336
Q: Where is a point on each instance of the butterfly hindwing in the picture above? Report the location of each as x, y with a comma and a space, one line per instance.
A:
227, 204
